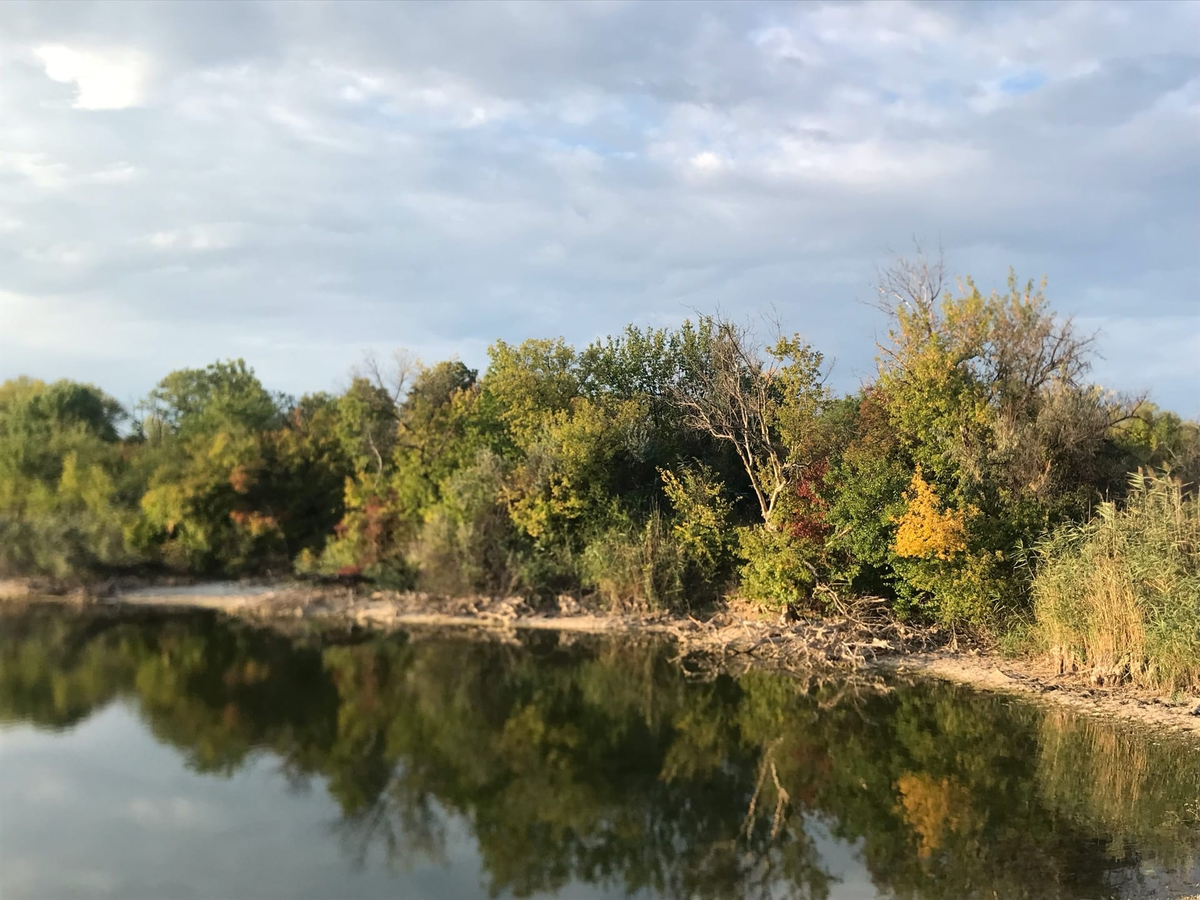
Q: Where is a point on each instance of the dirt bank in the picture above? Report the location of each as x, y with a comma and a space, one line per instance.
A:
862, 640
1041, 683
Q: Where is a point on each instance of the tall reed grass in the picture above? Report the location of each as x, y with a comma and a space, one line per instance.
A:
640, 568
1120, 594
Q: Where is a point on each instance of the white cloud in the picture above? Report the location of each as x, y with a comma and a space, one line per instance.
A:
707, 162
103, 79
40, 171
332, 175
199, 237
115, 174
307, 129
87, 329
65, 255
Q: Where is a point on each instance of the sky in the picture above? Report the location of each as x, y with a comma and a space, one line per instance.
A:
297, 183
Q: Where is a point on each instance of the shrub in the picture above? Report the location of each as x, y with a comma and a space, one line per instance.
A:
970, 589
371, 540
701, 524
64, 498
925, 531
1120, 594
776, 570
467, 543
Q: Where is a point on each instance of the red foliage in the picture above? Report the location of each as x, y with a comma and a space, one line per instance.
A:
241, 480
810, 525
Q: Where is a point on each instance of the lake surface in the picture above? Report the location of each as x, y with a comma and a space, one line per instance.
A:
178, 755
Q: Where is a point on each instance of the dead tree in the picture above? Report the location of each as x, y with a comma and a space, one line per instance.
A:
754, 400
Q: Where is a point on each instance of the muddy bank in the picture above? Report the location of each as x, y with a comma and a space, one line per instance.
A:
863, 640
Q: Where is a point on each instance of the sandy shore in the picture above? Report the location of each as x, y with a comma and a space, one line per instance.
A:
739, 640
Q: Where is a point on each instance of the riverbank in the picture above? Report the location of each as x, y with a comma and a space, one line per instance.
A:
863, 639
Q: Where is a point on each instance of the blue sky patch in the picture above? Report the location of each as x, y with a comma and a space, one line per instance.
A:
1023, 82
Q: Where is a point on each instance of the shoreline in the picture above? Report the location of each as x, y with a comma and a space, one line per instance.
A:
847, 644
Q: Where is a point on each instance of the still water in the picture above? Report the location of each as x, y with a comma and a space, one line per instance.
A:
187, 755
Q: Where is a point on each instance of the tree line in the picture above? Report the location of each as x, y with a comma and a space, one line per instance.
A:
659, 466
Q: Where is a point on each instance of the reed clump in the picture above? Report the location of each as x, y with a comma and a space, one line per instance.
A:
1119, 595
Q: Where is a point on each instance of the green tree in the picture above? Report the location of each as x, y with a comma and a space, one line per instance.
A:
208, 506
66, 492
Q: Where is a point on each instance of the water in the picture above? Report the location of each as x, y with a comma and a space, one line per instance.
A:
185, 755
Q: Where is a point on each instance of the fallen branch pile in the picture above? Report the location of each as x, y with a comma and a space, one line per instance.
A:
857, 633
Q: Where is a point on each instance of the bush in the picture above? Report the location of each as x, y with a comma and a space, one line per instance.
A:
971, 589
1120, 594
372, 540
701, 523
64, 502
776, 569
468, 543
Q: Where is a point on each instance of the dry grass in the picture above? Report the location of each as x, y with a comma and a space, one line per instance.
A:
1120, 595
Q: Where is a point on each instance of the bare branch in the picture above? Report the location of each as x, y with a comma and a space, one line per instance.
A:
393, 378
913, 284
738, 397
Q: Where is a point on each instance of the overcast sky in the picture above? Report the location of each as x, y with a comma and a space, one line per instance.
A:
294, 183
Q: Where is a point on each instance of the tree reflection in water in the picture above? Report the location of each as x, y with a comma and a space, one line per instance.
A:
602, 761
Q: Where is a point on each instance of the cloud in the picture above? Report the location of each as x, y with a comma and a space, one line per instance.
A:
170, 812
1176, 344
103, 80
297, 182
45, 787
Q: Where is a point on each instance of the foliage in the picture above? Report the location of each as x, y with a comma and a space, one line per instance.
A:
468, 543
65, 494
702, 520
1150, 438
528, 383
864, 487
662, 466
642, 567
925, 531
761, 403
221, 395
982, 417
236, 479
777, 570
371, 539
366, 428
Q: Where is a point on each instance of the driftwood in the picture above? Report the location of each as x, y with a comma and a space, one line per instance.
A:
853, 635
